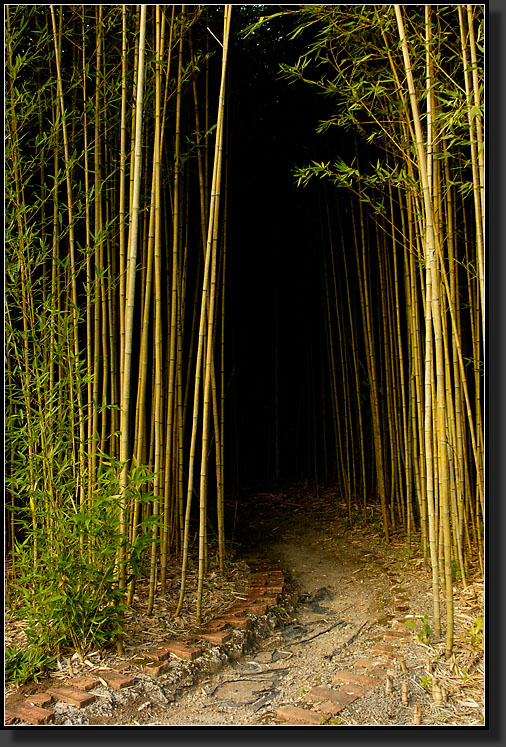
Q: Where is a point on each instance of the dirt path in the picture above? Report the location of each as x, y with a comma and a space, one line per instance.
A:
344, 655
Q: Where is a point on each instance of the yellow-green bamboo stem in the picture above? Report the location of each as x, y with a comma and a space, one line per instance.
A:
130, 299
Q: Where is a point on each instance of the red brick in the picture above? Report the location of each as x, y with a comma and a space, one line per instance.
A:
382, 648
72, 695
241, 623
276, 581
259, 579
236, 610
259, 608
219, 637
155, 670
115, 679
326, 707
335, 696
394, 635
265, 591
214, 626
261, 599
265, 579
253, 608
273, 586
377, 673
183, 650
39, 699
158, 654
141, 661
84, 683
29, 714
329, 709
375, 664
351, 689
401, 623
356, 679
294, 713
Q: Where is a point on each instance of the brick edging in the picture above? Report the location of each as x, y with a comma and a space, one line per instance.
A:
321, 704
265, 590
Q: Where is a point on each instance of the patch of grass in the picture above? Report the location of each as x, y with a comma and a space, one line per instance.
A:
477, 632
474, 634
25, 666
425, 631
456, 572
331, 721
281, 611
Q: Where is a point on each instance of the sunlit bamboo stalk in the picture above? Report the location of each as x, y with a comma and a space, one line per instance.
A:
207, 302
72, 258
171, 413
129, 298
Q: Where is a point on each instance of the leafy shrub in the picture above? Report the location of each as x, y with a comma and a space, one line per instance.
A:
66, 580
24, 666
77, 604
68, 592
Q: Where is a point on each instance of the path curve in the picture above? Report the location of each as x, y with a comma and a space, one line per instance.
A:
318, 639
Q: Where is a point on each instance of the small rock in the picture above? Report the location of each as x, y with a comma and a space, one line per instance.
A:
156, 693
321, 595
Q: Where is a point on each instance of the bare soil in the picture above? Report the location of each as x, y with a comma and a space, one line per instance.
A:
351, 588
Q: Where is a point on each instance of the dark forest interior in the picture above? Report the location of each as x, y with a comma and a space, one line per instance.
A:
274, 268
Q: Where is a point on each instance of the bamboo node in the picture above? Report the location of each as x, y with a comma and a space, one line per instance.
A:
404, 693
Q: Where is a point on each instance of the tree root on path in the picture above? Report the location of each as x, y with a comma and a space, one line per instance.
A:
327, 630
348, 642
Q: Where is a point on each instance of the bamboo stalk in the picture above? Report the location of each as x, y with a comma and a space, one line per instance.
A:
72, 255
371, 369
157, 396
129, 300
212, 242
170, 425
472, 96
209, 282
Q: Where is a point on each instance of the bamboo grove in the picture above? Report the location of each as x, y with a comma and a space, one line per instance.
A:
114, 295
116, 242
403, 269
